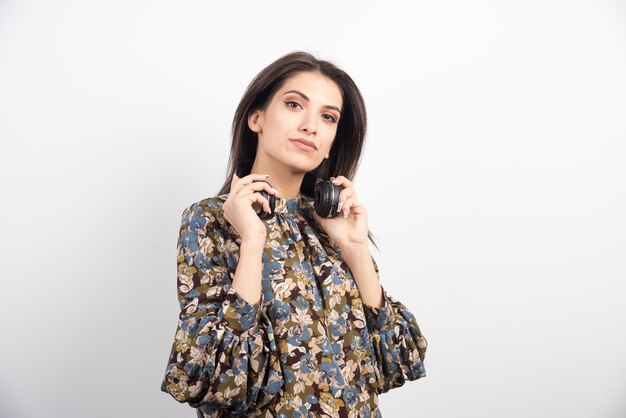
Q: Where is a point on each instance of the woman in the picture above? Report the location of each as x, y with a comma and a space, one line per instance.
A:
285, 317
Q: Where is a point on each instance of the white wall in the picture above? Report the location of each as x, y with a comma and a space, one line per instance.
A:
493, 177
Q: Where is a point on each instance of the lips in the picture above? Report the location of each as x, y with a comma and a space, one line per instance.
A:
305, 142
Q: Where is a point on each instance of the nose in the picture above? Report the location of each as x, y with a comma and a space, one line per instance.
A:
309, 123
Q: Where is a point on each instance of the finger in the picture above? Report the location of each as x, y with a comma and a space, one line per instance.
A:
319, 219
341, 180
243, 181
233, 180
347, 206
346, 193
258, 198
261, 185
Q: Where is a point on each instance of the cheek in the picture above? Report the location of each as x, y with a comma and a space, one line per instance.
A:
329, 130
328, 143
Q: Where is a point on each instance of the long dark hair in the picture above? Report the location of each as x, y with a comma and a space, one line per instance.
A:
345, 154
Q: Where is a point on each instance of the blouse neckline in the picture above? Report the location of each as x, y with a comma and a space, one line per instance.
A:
298, 204
284, 205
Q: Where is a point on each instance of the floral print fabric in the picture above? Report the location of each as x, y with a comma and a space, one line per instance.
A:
309, 348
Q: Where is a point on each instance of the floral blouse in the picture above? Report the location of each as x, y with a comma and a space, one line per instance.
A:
309, 348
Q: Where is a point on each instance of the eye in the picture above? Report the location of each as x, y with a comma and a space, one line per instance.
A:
288, 102
331, 119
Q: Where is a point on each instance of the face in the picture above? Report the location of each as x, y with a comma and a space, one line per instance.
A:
307, 107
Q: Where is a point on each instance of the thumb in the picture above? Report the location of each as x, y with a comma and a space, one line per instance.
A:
318, 218
233, 181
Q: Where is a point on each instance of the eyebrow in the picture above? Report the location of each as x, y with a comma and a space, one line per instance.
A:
304, 96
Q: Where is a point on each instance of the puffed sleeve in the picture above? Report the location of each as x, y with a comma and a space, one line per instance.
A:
398, 344
224, 354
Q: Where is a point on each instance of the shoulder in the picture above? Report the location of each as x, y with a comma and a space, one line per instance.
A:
208, 212
207, 206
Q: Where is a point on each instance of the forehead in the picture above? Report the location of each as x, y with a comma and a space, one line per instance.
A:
316, 87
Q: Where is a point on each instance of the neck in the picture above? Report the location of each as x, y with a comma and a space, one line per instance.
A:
282, 178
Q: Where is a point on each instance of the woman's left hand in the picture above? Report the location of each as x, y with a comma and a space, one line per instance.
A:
351, 230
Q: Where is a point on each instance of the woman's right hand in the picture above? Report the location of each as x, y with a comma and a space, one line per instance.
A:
238, 208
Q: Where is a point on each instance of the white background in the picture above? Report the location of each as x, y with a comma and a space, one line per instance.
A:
493, 177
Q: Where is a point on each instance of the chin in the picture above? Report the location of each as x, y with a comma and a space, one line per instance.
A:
301, 165
300, 168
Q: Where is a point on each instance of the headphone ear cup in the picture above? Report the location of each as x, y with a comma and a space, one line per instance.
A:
326, 198
244, 170
272, 202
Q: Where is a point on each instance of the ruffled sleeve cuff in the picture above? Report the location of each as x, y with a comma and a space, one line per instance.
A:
241, 316
380, 319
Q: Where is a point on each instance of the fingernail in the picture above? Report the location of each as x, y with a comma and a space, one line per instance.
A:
267, 175
275, 191
345, 214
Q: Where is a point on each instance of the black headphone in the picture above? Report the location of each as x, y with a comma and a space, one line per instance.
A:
326, 200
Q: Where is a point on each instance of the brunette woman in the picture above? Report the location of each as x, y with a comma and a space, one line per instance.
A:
282, 312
